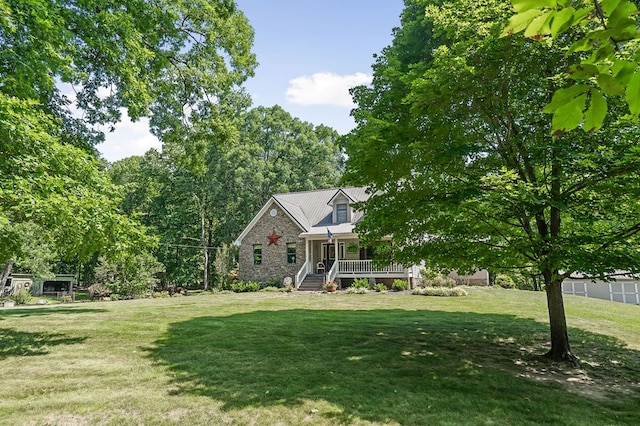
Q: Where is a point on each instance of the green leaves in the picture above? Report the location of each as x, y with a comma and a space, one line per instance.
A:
594, 116
538, 18
609, 26
568, 109
570, 115
633, 94
525, 5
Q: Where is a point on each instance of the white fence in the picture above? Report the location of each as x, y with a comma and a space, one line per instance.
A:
618, 291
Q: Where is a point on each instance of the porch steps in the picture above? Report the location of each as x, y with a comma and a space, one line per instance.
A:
312, 282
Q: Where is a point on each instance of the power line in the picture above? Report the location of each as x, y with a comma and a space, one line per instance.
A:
187, 246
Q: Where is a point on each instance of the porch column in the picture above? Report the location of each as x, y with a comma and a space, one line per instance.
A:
337, 252
306, 255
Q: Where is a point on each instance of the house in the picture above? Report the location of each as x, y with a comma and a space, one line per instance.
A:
310, 237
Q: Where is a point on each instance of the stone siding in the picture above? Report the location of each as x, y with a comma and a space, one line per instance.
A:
274, 257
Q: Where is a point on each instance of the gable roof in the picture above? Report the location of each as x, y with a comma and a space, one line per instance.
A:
312, 210
340, 192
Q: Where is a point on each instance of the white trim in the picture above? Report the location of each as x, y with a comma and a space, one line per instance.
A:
340, 191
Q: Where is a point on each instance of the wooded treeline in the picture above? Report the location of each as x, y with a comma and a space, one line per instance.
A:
198, 202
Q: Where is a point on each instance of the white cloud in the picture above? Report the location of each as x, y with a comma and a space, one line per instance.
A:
325, 88
128, 139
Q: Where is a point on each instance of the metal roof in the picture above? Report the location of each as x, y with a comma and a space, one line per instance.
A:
312, 209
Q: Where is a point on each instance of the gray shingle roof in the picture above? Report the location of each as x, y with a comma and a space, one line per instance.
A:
311, 209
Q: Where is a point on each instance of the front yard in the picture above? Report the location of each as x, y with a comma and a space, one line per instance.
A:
278, 358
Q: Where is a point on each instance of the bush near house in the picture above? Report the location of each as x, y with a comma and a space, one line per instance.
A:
245, 286
400, 285
275, 289
357, 290
361, 283
440, 291
380, 288
431, 278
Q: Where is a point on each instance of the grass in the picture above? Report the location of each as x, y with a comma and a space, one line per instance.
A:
273, 358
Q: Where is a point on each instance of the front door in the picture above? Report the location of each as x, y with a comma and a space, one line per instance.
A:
329, 254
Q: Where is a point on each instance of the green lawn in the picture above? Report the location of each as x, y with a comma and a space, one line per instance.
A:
273, 358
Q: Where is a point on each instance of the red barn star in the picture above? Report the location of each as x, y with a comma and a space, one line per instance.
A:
273, 238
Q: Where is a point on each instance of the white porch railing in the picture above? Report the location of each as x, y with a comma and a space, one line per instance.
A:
302, 274
366, 267
333, 272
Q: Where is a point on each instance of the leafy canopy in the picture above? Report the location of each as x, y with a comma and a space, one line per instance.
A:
604, 55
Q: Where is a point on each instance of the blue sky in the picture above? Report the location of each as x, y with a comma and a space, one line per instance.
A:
309, 51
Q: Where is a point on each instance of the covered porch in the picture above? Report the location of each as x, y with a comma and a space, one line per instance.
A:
332, 256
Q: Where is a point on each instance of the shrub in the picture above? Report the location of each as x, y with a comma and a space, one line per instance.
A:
361, 283
400, 285
129, 276
287, 288
380, 288
21, 297
444, 281
274, 289
440, 291
225, 265
428, 273
438, 280
504, 281
160, 294
65, 299
245, 286
357, 290
97, 291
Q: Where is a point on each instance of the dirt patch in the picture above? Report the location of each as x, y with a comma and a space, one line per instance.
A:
599, 381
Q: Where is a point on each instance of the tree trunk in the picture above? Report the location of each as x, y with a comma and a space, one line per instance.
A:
205, 250
4, 275
536, 283
560, 349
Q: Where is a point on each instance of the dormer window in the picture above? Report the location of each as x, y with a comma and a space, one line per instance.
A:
342, 213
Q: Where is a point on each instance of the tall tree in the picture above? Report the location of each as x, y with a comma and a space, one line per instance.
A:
158, 58
153, 57
463, 170
55, 202
216, 171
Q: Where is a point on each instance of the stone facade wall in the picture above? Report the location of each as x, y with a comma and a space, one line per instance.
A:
274, 257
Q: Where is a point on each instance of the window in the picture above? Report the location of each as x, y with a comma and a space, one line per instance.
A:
291, 252
370, 252
257, 254
341, 213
